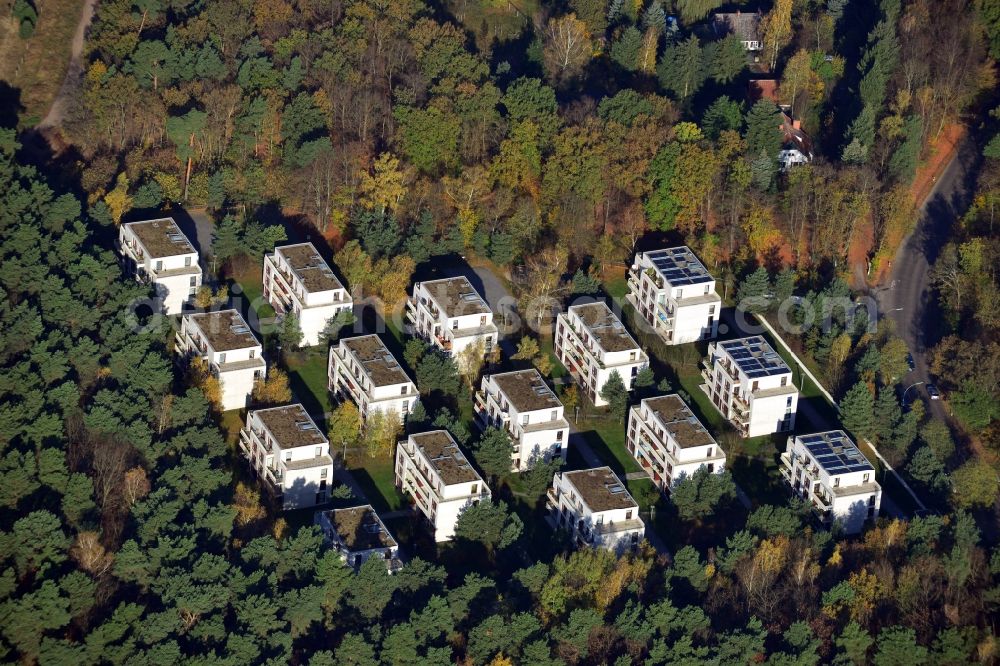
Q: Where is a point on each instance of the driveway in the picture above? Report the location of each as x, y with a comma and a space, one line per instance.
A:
908, 299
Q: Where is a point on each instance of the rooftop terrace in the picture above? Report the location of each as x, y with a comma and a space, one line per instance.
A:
601, 489
225, 330
456, 296
380, 365
526, 390
161, 238
311, 269
604, 327
291, 426
444, 455
360, 528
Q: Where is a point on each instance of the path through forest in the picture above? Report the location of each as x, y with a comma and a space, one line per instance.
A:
74, 73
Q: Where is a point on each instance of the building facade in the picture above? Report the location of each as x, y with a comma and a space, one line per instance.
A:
522, 403
436, 474
750, 384
452, 316
157, 251
596, 509
829, 471
592, 343
362, 369
297, 280
674, 293
289, 454
358, 534
224, 341
669, 442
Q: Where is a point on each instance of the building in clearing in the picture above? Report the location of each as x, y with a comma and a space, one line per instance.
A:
452, 316
436, 474
297, 280
829, 471
592, 343
521, 403
750, 384
669, 442
674, 293
357, 533
289, 454
363, 369
596, 508
745, 25
225, 343
157, 251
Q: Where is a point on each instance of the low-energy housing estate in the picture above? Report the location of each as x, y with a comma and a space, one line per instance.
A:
592, 343
669, 442
596, 509
674, 292
751, 385
442, 482
224, 341
358, 534
364, 370
297, 280
289, 454
521, 403
829, 471
451, 315
158, 251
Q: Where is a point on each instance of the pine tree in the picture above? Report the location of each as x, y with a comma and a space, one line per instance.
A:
857, 411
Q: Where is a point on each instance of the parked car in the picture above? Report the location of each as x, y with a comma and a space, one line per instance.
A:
933, 393
909, 361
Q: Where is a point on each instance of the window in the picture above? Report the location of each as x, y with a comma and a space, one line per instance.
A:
784, 381
836, 482
194, 281
482, 320
711, 309
865, 479
553, 415
871, 500
706, 291
754, 386
628, 515
454, 325
253, 353
318, 452
222, 357
187, 262
406, 406
710, 451
788, 402
631, 356
475, 488
288, 456
322, 473
680, 294
320, 498
559, 436
159, 266
402, 390
524, 419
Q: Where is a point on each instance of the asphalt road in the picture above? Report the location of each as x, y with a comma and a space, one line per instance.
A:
907, 299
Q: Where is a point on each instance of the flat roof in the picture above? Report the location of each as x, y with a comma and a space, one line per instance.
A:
678, 419
755, 357
526, 390
381, 365
291, 426
456, 296
678, 266
225, 330
444, 455
311, 269
161, 238
605, 327
360, 528
835, 452
601, 489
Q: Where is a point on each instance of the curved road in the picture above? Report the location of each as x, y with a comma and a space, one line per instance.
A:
908, 299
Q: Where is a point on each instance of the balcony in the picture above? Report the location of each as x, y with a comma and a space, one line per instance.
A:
444, 342
552, 497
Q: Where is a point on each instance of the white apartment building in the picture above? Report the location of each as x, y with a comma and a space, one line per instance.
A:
674, 293
363, 369
159, 252
297, 280
596, 508
358, 534
829, 471
289, 454
439, 478
592, 343
669, 442
521, 403
233, 354
750, 385
451, 315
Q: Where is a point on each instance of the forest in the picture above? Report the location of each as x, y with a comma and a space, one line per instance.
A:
551, 140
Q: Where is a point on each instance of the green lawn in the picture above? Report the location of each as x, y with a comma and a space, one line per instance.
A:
307, 376
606, 436
616, 287
376, 477
248, 285
545, 345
